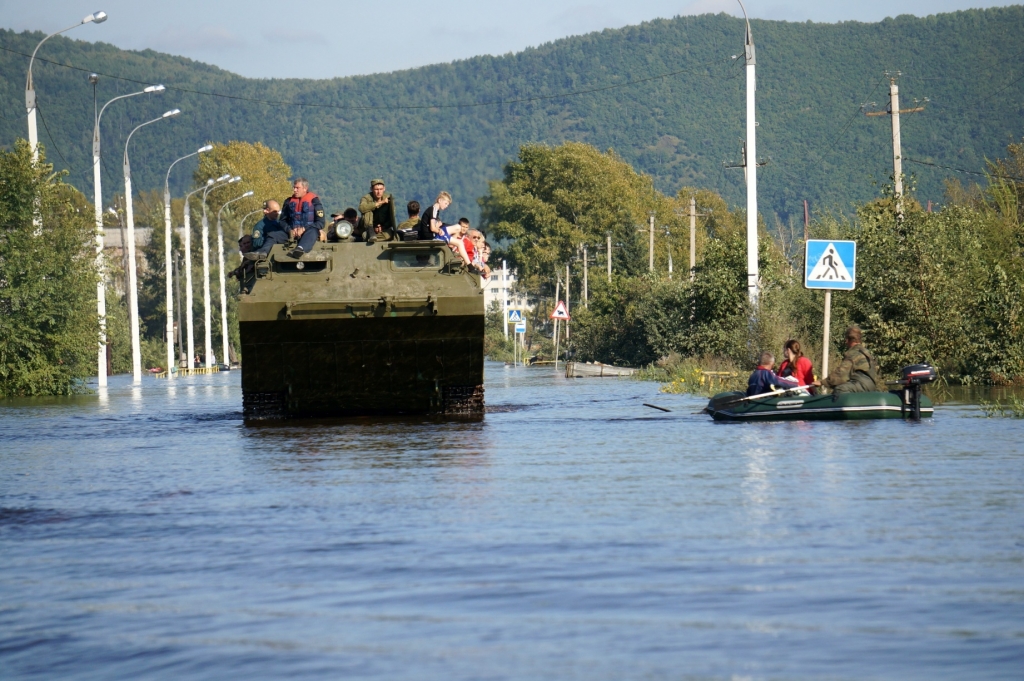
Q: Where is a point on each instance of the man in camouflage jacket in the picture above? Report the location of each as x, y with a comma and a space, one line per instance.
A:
378, 213
858, 372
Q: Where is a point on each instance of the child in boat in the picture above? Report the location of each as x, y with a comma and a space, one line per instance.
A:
796, 365
764, 380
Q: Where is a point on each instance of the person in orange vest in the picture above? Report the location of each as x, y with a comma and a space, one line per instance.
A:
303, 216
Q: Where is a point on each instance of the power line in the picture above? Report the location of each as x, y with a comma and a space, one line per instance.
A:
849, 122
964, 170
538, 98
55, 147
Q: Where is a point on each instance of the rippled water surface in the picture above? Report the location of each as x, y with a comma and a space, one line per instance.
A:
571, 534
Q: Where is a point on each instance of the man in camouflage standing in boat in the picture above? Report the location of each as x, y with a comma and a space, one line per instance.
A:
858, 372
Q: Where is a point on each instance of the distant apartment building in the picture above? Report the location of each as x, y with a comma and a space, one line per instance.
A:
496, 288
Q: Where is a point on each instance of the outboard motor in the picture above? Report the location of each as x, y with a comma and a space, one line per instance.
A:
912, 378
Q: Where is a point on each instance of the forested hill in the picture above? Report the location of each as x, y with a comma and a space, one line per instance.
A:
665, 95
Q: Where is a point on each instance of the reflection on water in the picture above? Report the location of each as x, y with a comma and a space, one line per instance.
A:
570, 533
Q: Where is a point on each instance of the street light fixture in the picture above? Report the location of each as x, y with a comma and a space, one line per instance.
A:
750, 163
189, 305
169, 275
101, 286
241, 223
223, 281
133, 291
30, 92
220, 182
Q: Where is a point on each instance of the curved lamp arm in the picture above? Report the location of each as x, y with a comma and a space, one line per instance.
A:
95, 17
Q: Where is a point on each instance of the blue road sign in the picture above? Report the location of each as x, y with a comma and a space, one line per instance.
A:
515, 316
830, 264
520, 327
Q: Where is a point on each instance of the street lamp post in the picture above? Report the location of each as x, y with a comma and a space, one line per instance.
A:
189, 305
241, 223
167, 258
101, 285
133, 289
223, 280
30, 91
751, 166
206, 270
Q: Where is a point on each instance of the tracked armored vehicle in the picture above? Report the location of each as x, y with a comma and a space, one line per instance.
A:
359, 328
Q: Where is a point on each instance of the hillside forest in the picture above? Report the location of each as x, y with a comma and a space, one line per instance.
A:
942, 285
667, 96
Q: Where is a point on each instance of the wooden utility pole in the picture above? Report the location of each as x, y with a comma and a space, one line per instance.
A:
586, 289
651, 247
567, 300
693, 237
894, 112
668, 242
807, 219
608, 236
504, 296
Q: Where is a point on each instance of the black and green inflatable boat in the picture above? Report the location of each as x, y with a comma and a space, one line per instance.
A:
905, 402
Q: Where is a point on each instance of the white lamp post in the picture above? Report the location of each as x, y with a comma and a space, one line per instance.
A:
30, 92
101, 286
206, 269
167, 258
223, 281
751, 166
190, 320
241, 223
133, 289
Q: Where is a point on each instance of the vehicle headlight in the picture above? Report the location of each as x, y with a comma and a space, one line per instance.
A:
343, 229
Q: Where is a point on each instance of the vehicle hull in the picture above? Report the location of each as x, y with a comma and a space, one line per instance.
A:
344, 367
845, 407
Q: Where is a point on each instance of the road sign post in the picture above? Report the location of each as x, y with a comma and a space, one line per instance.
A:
520, 340
560, 313
829, 265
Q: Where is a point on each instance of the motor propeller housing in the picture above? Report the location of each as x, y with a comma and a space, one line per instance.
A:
917, 374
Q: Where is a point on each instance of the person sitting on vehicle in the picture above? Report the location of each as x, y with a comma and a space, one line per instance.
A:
858, 372
764, 380
350, 216
430, 226
267, 232
303, 215
246, 272
476, 237
410, 228
378, 213
796, 365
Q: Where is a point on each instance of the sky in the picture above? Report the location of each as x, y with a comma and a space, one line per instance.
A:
332, 38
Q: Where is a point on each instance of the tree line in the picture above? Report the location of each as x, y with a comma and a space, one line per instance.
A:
941, 287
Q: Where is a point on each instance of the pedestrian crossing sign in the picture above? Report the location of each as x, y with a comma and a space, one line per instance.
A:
830, 264
515, 316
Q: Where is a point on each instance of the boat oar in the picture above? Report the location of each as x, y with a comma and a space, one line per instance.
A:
779, 392
654, 406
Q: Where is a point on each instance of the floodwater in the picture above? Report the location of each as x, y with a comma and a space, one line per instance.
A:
571, 534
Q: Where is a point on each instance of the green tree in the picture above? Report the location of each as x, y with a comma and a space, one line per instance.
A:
264, 172
48, 324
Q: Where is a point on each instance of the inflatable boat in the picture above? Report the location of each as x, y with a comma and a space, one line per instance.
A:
796, 404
